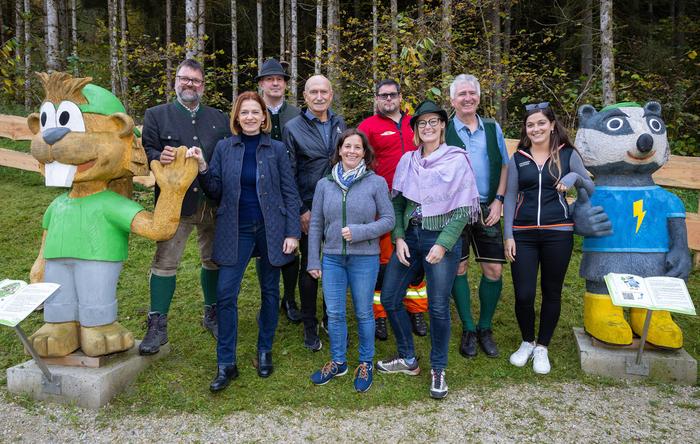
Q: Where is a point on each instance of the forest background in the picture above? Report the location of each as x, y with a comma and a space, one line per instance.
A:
566, 52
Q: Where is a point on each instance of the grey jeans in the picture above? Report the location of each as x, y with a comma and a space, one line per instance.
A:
88, 291
169, 253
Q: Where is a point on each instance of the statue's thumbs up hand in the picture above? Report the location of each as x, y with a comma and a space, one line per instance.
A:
589, 220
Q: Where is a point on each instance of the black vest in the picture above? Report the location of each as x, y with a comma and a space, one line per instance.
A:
539, 204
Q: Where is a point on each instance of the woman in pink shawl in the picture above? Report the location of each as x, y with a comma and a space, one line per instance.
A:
434, 197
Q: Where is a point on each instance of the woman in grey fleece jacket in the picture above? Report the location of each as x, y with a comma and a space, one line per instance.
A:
351, 210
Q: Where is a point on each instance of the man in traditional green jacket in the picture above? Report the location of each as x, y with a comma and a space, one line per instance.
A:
483, 139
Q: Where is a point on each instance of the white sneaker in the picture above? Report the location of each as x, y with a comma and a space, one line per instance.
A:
540, 360
523, 354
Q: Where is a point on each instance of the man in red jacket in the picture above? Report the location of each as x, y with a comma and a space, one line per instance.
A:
390, 134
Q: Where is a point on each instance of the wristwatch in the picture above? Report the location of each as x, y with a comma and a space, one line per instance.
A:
500, 197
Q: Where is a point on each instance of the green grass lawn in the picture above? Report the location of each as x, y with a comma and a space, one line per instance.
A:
180, 382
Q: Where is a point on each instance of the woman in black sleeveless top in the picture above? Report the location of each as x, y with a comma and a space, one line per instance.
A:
538, 230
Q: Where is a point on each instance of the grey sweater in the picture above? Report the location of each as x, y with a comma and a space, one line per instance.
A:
366, 210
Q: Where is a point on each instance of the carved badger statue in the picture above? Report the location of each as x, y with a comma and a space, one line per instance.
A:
644, 232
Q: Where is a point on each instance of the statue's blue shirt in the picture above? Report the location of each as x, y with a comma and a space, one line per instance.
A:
638, 216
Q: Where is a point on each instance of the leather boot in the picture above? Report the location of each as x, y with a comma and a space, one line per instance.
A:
209, 321
291, 311
224, 375
265, 364
156, 334
380, 330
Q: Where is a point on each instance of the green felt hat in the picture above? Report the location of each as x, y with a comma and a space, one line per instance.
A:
427, 107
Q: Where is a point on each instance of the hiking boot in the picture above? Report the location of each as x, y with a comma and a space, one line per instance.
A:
328, 372
380, 330
289, 307
540, 360
209, 321
156, 334
311, 339
438, 385
467, 347
488, 345
363, 377
523, 354
398, 365
418, 324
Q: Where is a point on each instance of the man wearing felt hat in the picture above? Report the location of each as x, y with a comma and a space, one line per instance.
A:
272, 81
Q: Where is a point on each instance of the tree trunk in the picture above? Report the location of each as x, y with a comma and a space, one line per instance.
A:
201, 27
333, 26
445, 61
19, 30
495, 56
259, 15
282, 31
375, 45
52, 51
587, 43
123, 45
113, 48
607, 60
421, 6
293, 56
168, 41
2, 26
191, 29
505, 56
27, 53
74, 35
63, 30
234, 51
319, 36
394, 36
679, 25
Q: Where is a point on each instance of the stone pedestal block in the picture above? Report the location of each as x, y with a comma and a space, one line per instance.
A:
597, 358
85, 387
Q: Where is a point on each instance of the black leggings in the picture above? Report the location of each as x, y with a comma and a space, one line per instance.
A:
551, 250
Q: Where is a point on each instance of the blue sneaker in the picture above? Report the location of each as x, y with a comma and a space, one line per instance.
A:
363, 376
328, 372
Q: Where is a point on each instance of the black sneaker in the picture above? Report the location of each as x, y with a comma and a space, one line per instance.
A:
380, 330
209, 321
438, 385
311, 339
289, 307
467, 346
418, 324
488, 345
156, 334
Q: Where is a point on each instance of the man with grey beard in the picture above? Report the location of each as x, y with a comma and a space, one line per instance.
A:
185, 121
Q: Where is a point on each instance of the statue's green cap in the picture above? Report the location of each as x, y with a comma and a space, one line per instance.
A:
622, 105
102, 101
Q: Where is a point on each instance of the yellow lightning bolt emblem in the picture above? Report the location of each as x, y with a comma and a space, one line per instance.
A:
638, 212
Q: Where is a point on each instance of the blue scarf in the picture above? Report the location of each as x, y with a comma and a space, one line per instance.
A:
345, 178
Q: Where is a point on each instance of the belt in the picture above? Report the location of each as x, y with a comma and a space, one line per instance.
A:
416, 222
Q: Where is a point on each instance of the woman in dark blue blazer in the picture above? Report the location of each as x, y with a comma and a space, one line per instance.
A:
251, 178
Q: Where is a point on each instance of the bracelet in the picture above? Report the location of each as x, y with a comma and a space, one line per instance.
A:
500, 197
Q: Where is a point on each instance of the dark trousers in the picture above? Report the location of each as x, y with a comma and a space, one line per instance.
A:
549, 251
251, 241
308, 287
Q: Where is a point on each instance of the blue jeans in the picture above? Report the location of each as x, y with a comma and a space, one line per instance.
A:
251, 239
359, 272
439, 279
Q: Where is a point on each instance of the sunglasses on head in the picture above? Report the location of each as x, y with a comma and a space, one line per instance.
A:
541, 105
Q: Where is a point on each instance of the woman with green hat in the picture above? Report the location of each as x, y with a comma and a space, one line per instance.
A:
434, 197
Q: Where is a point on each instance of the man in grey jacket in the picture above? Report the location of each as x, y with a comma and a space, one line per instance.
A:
272, 81
310, 139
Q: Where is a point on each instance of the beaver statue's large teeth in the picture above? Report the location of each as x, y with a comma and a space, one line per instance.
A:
59, 174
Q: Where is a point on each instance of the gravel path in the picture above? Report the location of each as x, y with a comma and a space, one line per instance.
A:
561, 412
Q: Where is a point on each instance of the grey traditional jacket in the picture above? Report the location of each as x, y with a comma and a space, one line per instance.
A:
366, 209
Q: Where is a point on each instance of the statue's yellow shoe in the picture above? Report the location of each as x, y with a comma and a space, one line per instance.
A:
56, 339
663, 332
605, 321
105, 339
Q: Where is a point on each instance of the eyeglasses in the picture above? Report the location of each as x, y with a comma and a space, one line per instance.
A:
432, 122
387, 96
187, 80
541, 105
